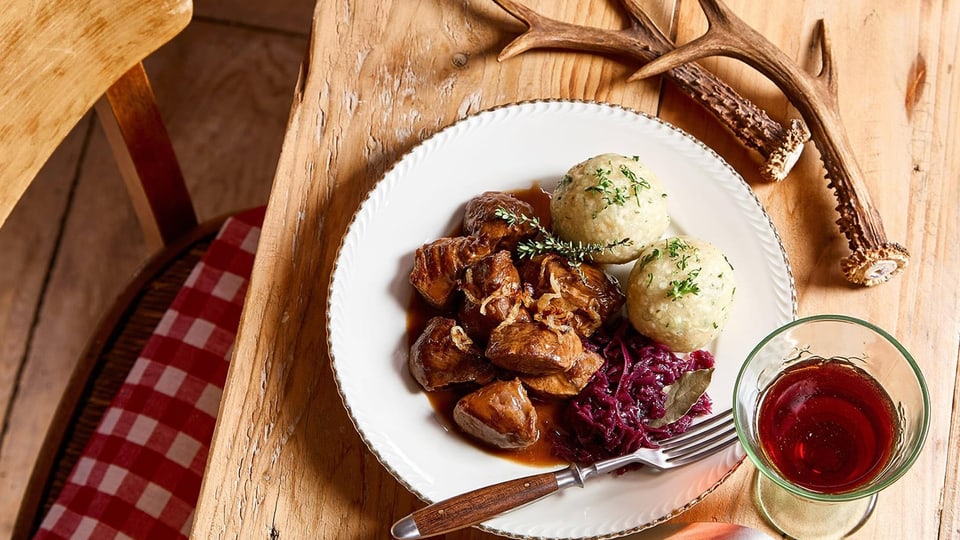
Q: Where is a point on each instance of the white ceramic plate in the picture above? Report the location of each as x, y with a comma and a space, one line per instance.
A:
422, 197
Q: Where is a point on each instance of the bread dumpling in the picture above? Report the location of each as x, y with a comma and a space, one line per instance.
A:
608, 198
680, 292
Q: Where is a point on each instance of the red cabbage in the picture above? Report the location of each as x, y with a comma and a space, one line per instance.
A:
609, 416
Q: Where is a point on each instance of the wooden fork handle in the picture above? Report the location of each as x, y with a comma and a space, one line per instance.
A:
475, 506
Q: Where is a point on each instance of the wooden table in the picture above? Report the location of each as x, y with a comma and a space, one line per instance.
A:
379, 77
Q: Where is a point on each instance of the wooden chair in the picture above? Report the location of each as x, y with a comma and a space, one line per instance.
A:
59, 59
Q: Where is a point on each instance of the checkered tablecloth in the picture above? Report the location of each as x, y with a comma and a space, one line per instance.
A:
139, 476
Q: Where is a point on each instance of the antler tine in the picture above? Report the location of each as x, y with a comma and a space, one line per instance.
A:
519, 11
642, 22
827, 72
544, 32
667, 58
702, 47
718, 40
531, 18
716, 12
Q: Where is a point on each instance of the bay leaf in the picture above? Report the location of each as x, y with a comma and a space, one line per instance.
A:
682, 395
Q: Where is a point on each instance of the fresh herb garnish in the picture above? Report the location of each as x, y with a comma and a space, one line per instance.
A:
728, 262
683, 255
613, 194
675, 246
650, 257
683, 287
636, 183
575, 252
609, 192
562, 184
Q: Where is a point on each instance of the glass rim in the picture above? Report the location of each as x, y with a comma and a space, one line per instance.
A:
772, 474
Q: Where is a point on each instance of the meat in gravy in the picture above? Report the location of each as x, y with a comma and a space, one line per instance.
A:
444, 355
506, 325
499, 414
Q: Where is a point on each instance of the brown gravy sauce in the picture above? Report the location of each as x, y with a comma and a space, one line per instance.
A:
443, 401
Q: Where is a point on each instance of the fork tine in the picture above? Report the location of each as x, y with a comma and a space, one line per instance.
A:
702, 449
696, 432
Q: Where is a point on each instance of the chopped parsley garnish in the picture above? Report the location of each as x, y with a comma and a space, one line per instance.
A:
681, 288
675, 246
728, 262
609, 192
613, 194
636, 183
562, 184
683, 256
650, 257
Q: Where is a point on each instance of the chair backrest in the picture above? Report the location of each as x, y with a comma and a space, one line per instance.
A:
57, 58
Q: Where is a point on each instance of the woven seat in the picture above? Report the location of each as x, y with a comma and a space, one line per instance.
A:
132, 322
136, 471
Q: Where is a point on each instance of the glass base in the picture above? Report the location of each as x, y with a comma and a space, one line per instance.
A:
807, 519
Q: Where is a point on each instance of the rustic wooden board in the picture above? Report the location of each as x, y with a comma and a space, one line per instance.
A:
378, 78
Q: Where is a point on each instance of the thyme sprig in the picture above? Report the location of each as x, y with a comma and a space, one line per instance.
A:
546, 242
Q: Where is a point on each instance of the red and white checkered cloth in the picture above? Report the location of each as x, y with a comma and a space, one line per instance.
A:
139, 476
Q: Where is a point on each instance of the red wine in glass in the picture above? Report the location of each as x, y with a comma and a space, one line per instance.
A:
826, 425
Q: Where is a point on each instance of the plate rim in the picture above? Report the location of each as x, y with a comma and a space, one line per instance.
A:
454, 125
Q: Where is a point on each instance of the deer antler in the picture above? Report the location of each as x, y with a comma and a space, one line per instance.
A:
874, 259
779, 147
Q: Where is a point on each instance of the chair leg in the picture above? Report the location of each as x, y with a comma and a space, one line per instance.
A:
144, 153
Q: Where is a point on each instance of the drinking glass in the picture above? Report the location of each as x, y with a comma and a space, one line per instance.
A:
805, 346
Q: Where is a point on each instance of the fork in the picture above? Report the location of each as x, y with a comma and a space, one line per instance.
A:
699, 441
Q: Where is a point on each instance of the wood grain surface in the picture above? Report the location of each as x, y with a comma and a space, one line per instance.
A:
380, 76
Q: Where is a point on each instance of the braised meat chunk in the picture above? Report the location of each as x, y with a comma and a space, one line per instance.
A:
499, 414
479, 219
438, 266
444, 355
589, 293
567, 383
533, 348
493, 294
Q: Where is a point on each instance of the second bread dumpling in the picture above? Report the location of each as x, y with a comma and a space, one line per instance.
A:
680, 292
